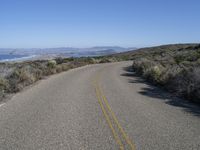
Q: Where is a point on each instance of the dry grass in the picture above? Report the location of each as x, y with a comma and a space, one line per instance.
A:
176, 68
15, 76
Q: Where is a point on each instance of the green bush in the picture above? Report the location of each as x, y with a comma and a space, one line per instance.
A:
154, 73
104, 60
179, 59
51, 64
4, 85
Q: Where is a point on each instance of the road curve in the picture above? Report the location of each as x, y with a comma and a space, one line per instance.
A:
97, 107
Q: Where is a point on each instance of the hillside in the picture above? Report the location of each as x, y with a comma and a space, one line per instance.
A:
174, 67
14, 76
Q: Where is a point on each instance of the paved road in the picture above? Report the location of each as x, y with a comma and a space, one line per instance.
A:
98, 107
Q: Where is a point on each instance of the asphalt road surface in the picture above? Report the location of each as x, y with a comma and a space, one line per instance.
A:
98, 107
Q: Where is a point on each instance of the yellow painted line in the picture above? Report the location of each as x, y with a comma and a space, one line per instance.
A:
125, 136
127, 139
117, 139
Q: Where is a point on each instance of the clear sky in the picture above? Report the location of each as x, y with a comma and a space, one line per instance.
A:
83, 23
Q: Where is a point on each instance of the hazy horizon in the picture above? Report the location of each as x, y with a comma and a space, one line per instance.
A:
153, 45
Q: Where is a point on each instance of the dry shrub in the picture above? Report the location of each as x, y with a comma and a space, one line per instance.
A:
187, 84
65, 66
177, 79
59, 68
149, 69
3, 84
20, 78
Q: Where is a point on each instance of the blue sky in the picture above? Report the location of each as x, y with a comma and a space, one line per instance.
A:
85, 23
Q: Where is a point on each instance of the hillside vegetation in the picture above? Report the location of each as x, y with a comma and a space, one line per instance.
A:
174, 67
15, 76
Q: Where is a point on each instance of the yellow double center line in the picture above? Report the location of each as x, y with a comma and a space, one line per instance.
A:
109, 115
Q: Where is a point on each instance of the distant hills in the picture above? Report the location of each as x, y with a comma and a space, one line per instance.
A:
65, 51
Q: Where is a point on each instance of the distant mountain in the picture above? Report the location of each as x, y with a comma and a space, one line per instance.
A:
65, 51
104, 48
93, 53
